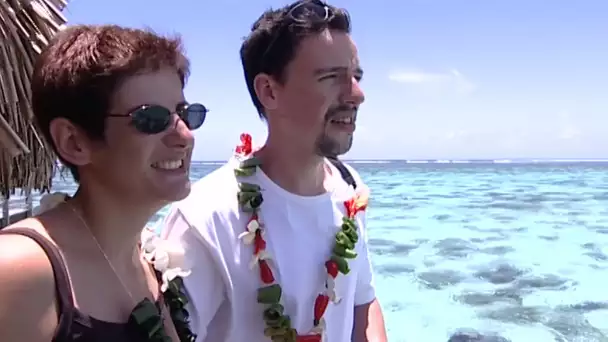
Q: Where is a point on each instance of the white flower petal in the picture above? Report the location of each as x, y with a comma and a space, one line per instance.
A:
335, 299
171, 274
161, 260
262, 255
167, 257
253, 226
331, 290
165, 284
162, 253
149, 257
177, 256
331, 283
319, 329
149, 240
248, 237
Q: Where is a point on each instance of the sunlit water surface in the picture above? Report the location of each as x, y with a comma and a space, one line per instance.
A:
511, 250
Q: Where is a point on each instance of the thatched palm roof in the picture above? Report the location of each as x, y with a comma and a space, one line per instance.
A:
10, 143
26, 161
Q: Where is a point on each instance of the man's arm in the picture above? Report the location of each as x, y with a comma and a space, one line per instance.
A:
368, 325
28, 310
204, 286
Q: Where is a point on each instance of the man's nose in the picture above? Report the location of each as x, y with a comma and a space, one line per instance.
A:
354, 93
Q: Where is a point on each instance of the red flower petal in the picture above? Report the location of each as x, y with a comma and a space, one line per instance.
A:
265, 272
259, 243
245, 147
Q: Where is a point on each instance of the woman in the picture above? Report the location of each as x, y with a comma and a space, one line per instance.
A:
110, 101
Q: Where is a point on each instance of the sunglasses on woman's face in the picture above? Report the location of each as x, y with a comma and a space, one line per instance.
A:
153, 119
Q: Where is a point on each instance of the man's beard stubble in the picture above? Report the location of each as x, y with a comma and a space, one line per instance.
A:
327, 146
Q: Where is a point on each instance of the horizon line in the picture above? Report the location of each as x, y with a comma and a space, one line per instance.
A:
440, 159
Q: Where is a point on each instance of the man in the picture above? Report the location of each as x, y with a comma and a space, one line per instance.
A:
302, 71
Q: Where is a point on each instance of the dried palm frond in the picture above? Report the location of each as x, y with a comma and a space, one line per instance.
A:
9, 141
26, 26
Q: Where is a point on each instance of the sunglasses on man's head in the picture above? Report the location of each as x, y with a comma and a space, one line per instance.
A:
314, 11
153, 119
306, 12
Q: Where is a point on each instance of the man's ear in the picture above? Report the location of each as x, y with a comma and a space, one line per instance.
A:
266, 88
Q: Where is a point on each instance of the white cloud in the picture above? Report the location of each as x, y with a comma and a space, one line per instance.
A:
434, 81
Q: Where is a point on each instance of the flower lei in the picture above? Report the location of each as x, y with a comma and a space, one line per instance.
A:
277, 323
169, 265
168, 261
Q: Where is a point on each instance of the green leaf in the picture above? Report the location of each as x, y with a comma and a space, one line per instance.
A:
175, 300
145, 312
348, 222
249, 201
251, 162
343, 266
344, 240
246, 196
343, 252
249, 187
352, 236
275, 317
270, 294
146, 320
257, 201
247, 172
275, 332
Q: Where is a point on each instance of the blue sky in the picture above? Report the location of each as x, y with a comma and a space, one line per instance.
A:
445, 79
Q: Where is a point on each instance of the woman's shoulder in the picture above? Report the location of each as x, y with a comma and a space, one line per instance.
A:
27, 286
24, 264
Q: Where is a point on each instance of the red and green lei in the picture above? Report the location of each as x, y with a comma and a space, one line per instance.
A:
277, 323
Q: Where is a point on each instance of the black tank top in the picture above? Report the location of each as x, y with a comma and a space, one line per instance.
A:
73, 325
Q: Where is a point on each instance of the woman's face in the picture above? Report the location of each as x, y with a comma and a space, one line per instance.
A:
142, 166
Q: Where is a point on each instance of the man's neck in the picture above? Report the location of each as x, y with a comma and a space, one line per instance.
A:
116, 224
297, 172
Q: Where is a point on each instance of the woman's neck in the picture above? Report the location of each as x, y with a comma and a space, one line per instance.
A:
113, 224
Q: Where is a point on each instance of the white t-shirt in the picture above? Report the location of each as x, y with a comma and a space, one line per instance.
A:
300, 234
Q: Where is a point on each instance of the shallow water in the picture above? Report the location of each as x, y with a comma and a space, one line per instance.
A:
513, 250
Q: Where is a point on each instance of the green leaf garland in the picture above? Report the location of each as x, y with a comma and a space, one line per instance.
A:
277, 324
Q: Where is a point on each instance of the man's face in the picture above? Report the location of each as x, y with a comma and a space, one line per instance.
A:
319, 100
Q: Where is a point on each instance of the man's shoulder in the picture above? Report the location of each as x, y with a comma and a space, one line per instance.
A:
222, 178
214, 192
208, 211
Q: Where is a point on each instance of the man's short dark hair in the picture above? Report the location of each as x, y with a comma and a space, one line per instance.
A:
77, 74
275, 37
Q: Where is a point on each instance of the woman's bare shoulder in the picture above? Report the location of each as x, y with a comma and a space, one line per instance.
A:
27, 287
